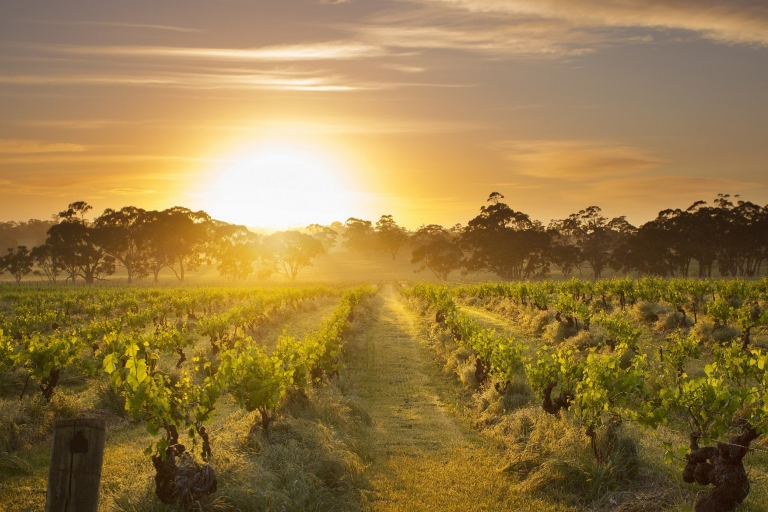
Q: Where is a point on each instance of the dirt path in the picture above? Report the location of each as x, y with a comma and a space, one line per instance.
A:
424, 457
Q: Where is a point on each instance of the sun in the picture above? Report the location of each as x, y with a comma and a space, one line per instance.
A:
280, 185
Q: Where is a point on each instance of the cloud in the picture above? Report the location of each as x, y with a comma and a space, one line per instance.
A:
577, 160
561, 28
233, 80
332, 50
490, 35
171, 28
76, 124
663, 191
131, 191
25, 147
732, 21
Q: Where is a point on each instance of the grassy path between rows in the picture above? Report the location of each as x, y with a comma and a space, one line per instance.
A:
424, 456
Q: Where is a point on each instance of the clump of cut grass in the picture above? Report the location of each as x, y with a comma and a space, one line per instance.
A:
30, 420
557, 332
709, 333
593, 338
669, 322
466, 372
552, 456
649, 312
534, 321
497, 399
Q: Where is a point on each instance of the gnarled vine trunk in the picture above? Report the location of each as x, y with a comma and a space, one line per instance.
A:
722, 467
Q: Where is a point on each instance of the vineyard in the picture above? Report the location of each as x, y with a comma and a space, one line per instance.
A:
617, 394
683, 360
166, 361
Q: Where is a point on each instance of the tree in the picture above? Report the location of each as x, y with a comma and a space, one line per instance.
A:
188, 231
234, 247
77, 245
288, 252
389, 236
564, 252
437, 249
358, 235
121, 240
325, 235
176, 236
18, 263
46, 262
597, 236
505, 242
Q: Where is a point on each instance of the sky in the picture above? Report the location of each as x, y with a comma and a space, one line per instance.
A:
286, 112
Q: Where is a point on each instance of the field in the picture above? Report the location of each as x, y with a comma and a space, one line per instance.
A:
569, 395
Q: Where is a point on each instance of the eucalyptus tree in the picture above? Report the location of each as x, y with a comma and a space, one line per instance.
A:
437, 249
326, 235
77, 245
121, 239
505, 242
47, 264
359, 235
235, 248
17, 262
175, 238
389, 236
288, 252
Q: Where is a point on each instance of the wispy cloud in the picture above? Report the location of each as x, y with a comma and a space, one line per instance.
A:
171, 28
243, 80
26, 147
577, 160
131, 191
734, 21
333, 50
646, 190
561, 28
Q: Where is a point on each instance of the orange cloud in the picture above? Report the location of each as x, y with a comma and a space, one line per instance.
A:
21, 147
333, 50
577, 160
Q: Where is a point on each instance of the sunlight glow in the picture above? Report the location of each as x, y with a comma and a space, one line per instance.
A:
279, 185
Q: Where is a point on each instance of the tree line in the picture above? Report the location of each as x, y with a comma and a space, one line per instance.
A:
729, 237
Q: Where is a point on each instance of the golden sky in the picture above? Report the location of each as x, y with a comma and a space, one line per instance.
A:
285, 112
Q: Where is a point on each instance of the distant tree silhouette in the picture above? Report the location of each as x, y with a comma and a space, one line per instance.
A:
564, 251
596, 236
324, 234
173, 237
47, 263
120, 235
78, 246
729, 236
505, 242
17, 262
358, 235
389, 236
437, 249
235, 248
288, 252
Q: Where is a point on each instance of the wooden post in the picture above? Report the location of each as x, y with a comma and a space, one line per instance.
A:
75, 472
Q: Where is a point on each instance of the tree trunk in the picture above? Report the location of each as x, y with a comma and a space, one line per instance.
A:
722, 467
